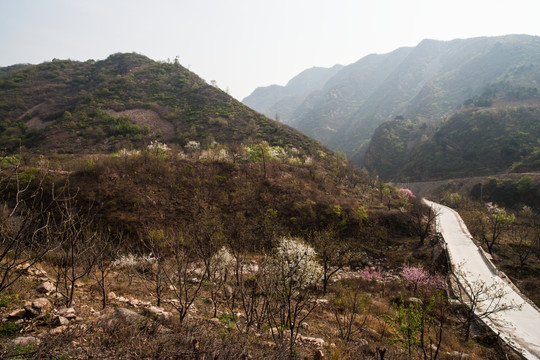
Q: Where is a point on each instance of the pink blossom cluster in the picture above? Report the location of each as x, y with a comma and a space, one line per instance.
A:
407, 192
372, 273
419, 277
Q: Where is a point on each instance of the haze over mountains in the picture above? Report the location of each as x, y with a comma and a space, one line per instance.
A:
424, 84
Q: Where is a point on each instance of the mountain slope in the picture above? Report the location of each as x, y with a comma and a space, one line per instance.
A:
430, 82
281, 101
126, 100
472, 142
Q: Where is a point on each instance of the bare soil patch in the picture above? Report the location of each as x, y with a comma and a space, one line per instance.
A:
145, 117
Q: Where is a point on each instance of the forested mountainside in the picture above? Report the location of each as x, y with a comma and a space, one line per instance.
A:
126, 100
474, 141
425, 83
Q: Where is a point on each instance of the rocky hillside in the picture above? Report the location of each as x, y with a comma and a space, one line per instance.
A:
124, 101
427, 82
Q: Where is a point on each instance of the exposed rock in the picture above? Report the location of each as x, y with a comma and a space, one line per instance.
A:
228, 292
214, 321
321, 302
60, 321
157, 312
42, 304
122, 317
58, 330
68, 313
414, 300
111, 296
45, 288
363, 342
134, 302
311, 340
17, 314
26, 340
36, 307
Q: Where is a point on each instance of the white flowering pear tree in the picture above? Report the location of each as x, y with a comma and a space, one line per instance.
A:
291, 275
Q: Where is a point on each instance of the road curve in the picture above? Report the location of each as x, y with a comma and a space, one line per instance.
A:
519, 327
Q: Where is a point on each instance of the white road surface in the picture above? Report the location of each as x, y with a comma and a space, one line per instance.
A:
519, 327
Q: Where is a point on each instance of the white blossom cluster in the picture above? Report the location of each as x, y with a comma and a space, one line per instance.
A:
192, 145
215, 155
131, 261
223, 260
158, 147
126, 153
295, 263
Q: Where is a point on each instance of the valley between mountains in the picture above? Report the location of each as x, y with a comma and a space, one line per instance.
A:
148, 214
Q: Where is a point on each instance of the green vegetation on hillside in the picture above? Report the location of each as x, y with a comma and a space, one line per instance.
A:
474, 141
126, 100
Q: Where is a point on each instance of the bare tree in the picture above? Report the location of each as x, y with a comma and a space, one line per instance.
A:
106, 251
481, 299
347, 308
493, 226
182, 273
422, 218
76, 236
525, 241
24, 225
333, 254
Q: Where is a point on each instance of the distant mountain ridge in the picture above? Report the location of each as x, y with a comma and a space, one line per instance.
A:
280, 101
429, 81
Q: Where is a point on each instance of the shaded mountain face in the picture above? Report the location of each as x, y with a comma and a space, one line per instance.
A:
425, 83
474, 141
280, 102
124, 101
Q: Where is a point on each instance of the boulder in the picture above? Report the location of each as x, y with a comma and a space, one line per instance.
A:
227, 291
60, 321
58, 330
68, 313
17, 314
37, 307
45, 288
42, 304
26, 340
123, 317
157, 312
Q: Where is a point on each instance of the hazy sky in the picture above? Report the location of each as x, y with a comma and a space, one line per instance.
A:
243, 44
